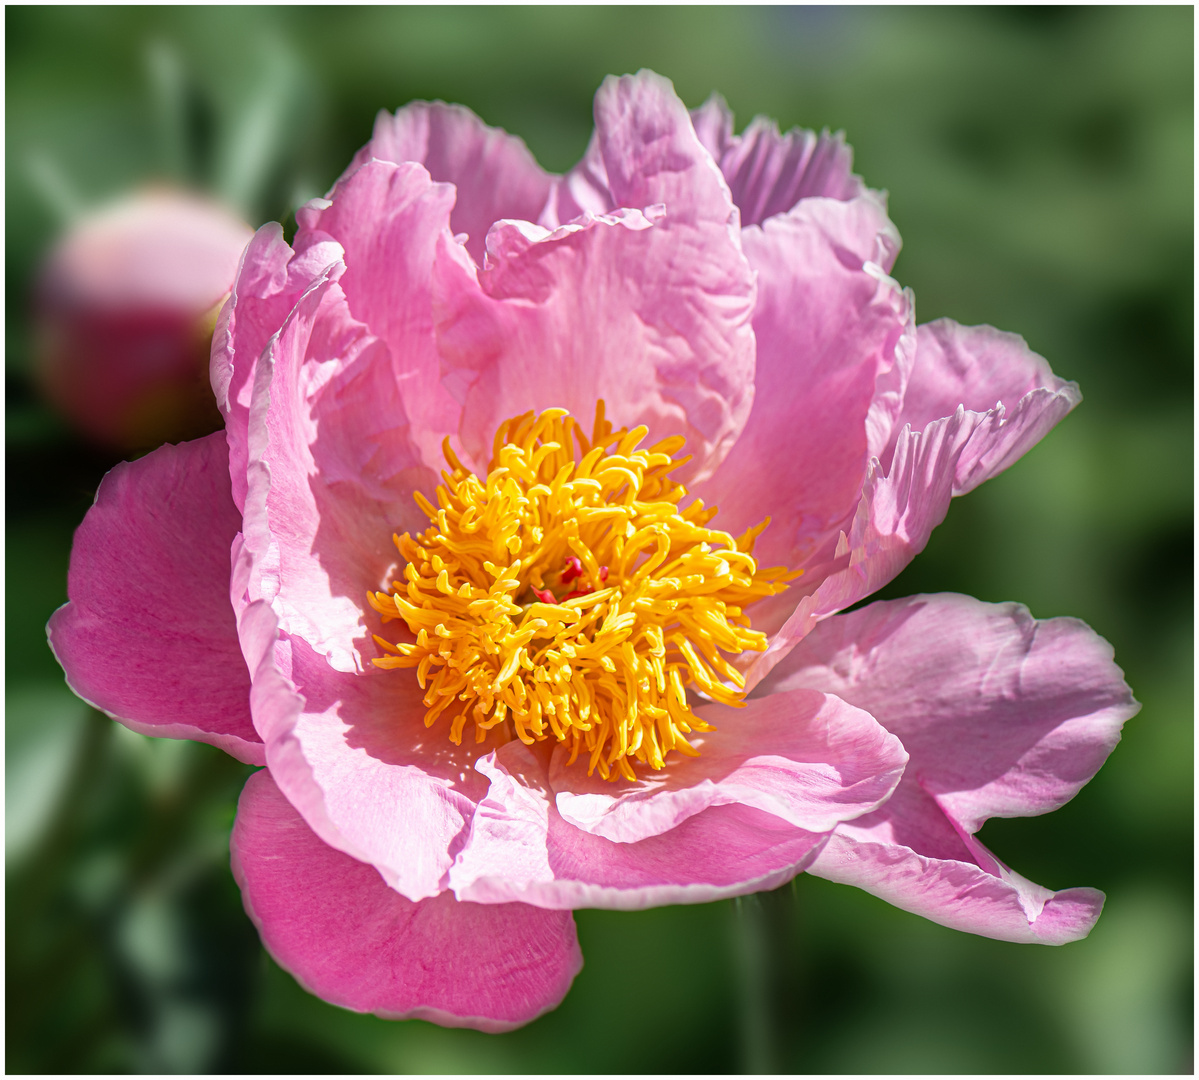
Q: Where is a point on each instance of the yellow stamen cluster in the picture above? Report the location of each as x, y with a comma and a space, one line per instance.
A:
568, 596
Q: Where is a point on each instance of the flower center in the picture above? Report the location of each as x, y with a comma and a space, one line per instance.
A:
569, 596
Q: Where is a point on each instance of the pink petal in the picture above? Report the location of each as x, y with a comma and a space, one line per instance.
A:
978, 367
835, 341
332, 469
902, 505
807, 758
331, 475
494, 173
392, 222
1003, 715
520, 848
769, 173
270, 279
352, 755
654, 319
649, 311
347, 937
959, 894
148, 635
651, 153
644, 151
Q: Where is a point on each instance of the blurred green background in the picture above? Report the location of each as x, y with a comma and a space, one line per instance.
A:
1039, 163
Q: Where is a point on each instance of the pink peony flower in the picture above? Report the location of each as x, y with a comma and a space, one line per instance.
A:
125, 309
500, 679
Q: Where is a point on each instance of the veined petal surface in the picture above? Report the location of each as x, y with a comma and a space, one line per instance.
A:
148, 635
347, 937
331, 475
392, 222
494, 174
1003, 716
978, 368
521, 849
352, 755
769, 172
270, 280
647, 307
749, 811
805, 757
902, 504
835, 340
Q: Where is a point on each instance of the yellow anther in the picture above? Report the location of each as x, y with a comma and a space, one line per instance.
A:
568, 597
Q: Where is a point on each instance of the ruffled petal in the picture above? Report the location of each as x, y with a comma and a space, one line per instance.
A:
1003, 715
901, 506
767, 172
644, 151
392, 222
331, 475
495, 174
520, 848
583, 191
648, 310
651, 153
353, 757
959, 894
979, 367
835, 341
805, 757
333, 923
148, 635
270, 279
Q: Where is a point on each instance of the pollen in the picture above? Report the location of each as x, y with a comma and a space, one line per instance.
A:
577, 595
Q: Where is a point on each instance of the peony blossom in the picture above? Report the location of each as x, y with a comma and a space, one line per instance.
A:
502, 660
125, 309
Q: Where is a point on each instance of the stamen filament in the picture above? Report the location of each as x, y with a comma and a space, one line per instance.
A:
568, 592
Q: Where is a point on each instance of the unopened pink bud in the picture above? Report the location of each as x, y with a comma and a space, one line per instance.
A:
125, 309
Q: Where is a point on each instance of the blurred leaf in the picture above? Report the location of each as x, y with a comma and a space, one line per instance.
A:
43, 731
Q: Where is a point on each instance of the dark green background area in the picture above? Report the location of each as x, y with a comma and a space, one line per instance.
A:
1039, 164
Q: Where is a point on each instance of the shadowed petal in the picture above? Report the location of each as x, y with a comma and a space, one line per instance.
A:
392, 222
520, 848
901, 506
333, 923
351, 753
1003, 716
148, 635
835, 340
977, 367
805, 757
270, 280
767, 172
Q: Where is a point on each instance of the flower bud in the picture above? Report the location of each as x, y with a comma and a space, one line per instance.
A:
125, 308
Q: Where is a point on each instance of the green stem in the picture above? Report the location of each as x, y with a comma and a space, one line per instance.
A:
751, 953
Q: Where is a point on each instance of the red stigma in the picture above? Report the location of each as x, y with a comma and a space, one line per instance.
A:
574, 570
